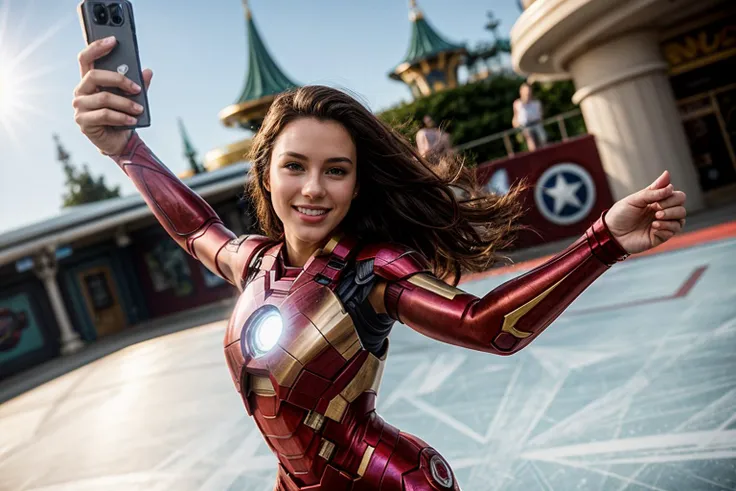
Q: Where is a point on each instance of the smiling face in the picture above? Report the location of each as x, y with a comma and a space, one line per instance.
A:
312, 178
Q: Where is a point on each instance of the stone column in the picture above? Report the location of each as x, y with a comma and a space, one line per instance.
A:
45, 268
628, 104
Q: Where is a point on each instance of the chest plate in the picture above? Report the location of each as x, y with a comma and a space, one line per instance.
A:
290, 339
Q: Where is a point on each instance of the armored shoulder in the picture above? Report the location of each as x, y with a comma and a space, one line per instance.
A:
393, 262
241, 253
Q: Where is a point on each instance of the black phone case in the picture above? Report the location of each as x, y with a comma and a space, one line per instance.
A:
124, 54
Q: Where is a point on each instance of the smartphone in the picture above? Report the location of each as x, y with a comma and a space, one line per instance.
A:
103, 18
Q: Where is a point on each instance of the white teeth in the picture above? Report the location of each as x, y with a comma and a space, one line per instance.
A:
313, 213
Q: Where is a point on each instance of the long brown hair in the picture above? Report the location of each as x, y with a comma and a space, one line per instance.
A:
403, 198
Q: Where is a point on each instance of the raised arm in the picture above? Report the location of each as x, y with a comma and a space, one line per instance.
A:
104, 117
506, 319
185, 216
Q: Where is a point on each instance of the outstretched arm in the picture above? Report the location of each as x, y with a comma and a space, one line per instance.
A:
185, 216
511, 316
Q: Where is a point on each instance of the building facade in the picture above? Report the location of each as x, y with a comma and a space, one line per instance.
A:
101, 268
654, 81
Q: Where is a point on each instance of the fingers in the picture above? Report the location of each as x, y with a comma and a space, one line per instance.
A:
103, 117
103, 99
661, 182
648, 196
147, 76
674, 226
674, 213
676, 199
104, 78
94, 51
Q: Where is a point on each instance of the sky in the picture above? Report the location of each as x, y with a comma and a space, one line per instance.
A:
198, 55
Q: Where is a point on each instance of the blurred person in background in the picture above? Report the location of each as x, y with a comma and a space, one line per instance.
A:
528, 115
431, 140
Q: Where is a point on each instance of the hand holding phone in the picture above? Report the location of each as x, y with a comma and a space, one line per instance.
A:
111, 98
103, 116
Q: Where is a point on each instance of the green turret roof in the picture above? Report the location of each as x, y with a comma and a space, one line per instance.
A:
425, 41
189, 152
264, 75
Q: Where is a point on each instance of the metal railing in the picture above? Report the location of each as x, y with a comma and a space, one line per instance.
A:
558, 120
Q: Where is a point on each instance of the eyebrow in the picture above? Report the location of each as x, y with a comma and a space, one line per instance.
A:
331, 160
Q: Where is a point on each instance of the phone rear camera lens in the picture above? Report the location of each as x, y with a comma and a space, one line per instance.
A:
116, 14
100, 14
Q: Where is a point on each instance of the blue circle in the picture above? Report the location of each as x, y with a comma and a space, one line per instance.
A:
583, 194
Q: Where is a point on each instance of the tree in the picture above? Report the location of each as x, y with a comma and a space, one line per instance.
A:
481, 109
82, 187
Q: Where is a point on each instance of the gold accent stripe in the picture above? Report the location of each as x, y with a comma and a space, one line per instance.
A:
336, 408
330, 246
314, 420
307, 344
364, 379
700, 62
510, 319
435, 286
286, 369
350, 351
326, 449
261, 386
365, 460
368, 378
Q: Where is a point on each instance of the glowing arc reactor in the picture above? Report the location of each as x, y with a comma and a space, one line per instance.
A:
264, 330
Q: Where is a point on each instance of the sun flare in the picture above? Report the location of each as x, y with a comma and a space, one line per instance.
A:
8, 93
19, 69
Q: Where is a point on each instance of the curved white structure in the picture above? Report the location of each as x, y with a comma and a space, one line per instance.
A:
611, 50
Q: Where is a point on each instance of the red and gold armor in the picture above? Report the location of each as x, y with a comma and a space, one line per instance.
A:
306, 349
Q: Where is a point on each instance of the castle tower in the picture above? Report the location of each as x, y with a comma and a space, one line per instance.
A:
431, 62
264, 81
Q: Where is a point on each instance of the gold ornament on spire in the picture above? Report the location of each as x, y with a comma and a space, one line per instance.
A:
414, 12
246, 8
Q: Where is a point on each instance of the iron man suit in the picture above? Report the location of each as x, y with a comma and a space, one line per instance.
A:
306, 349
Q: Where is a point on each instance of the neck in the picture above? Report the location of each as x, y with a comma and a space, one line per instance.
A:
299, 252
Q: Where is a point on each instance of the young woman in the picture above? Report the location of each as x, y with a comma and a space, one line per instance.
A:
356, 230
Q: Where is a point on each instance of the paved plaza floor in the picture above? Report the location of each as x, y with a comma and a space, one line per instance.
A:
634, 388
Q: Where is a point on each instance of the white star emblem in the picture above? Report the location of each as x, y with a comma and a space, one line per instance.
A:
564, 193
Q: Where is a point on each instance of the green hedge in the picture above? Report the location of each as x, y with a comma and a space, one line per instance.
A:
483, 108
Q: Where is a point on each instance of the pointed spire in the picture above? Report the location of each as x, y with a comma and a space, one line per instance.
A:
265, 77
414, 12
431, 62
264, 81
189, 152
425, 41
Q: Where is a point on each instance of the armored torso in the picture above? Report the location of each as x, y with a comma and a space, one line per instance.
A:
296, 357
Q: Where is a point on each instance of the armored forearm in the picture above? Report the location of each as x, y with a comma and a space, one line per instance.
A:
187, 218
511, 316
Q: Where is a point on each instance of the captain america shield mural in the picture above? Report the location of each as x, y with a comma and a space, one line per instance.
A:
565, 194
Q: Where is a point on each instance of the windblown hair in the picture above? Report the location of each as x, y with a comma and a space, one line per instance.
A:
403, 198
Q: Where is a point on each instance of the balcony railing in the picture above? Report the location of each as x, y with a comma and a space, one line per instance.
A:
560, 127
